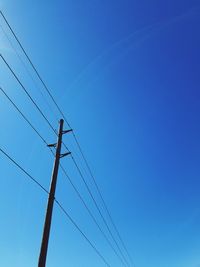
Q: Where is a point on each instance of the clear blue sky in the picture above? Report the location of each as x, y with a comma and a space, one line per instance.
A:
126, 73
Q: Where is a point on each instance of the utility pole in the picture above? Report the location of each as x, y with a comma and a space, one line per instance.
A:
49, 211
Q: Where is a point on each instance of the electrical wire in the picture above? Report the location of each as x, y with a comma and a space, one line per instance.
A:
21, 113
102, 199
97, 207
27, 93
23, 170
82, 233
90, 213
31, 63
27, 70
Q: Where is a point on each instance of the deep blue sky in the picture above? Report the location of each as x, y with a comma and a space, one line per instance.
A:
126, 73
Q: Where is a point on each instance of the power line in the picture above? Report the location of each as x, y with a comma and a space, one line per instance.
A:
96, 205
101, 196
117, 231
99, 192
27, 70
103, 201
27, 93
74, 135
33, 66
23, 170
86, 238
58, 203
90, 213
25, 118
30, 97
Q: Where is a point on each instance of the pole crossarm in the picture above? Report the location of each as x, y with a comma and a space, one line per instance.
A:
52, 145
65, 154
67, 131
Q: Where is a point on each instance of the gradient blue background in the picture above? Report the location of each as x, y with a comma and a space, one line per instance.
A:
126, 73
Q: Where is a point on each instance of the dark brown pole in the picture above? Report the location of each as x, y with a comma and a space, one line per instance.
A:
47, 224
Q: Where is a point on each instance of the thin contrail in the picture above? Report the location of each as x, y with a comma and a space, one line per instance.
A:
131, 41
107, 52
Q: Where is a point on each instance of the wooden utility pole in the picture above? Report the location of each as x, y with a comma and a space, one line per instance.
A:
49, 211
